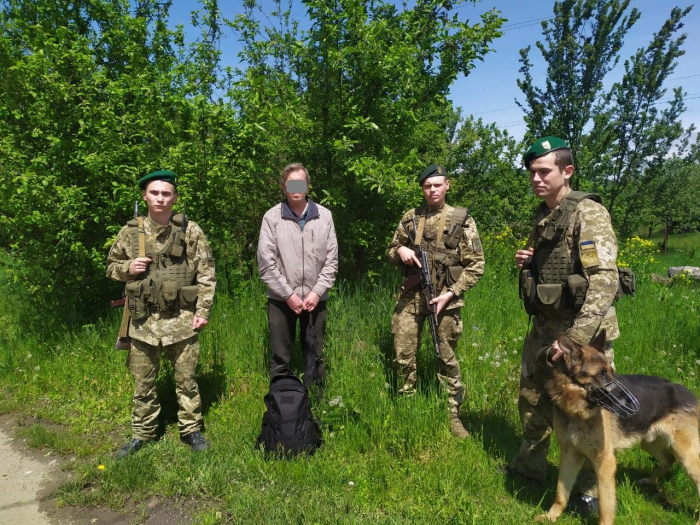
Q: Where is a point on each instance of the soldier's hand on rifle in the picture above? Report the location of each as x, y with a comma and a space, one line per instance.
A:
139, 265
442, 300
522, 256
311, 301
199, 322
295, 303
408, 256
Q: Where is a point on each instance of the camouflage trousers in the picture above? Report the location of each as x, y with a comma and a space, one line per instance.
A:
144, 364
536, 410
406, 327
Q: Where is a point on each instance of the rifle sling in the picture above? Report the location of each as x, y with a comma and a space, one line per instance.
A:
142, 239
441, 227
419, 233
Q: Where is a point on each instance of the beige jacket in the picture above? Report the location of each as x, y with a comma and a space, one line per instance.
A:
292, 261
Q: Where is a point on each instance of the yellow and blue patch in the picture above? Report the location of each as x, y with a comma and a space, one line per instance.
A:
588, 254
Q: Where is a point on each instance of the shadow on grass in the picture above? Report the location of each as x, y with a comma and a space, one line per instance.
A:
212, 387
655, 493
426, 364
502, 442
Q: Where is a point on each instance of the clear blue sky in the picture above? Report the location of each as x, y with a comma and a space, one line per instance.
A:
490, 89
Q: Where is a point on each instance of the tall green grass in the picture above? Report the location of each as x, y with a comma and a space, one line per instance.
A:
385, 459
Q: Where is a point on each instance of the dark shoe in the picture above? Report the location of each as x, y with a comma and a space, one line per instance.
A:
583, 505
196, 441
132, 447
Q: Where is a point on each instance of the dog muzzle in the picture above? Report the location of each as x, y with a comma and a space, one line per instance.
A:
615, 397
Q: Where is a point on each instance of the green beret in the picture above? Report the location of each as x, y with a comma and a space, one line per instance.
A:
166, 175
542, 147
431, 171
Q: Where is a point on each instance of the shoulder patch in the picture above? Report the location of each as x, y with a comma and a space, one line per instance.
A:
588, 254
476, 245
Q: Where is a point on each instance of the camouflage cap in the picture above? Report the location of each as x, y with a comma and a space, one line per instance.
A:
166, 175
431, 171
542, 147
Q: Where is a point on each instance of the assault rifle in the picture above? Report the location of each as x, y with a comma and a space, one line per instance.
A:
427, 287
123, 339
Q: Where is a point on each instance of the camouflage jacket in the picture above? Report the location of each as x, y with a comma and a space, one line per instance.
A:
468, 254
162, 327
590, 222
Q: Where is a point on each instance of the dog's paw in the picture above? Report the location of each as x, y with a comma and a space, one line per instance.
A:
542, 517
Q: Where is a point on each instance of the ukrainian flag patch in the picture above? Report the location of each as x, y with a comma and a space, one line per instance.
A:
588, 254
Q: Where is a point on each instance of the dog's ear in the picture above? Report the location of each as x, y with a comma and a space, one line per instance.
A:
567, 345
572, 350
598, 342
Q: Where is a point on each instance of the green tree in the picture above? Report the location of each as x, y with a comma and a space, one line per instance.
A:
94, 95
488, 177
675, 193
98, 92
364, 93
581, 46
630, 134
635, 132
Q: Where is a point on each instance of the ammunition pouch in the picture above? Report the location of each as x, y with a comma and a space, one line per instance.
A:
137, 295
578, 286
177, 245
627, 282
551, 297
451, 240
453, 274
166, 296
188, 297
528, 291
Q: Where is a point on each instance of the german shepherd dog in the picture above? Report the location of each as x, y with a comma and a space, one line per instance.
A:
597, 413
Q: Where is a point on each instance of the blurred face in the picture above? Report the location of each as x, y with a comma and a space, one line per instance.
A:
297, 191
160, 196
434, 189
548, 181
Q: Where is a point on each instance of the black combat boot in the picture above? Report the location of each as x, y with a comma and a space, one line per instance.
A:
131, 447
196, 441
583, 505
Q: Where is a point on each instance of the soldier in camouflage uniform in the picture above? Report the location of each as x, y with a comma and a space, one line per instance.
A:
169, 292
568, 282
450, 239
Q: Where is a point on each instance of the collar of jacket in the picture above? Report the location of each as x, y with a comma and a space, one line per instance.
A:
289, 215
428, 211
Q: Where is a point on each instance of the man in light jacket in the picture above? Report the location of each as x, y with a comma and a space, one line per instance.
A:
298, 261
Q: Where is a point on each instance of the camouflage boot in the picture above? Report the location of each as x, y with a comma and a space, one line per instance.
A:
407, 390
457, 428
454, 401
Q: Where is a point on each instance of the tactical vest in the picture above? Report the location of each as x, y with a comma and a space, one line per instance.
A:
554, 281
443, 255
168, 283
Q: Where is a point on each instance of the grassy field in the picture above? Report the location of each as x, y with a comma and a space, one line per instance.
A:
385, 459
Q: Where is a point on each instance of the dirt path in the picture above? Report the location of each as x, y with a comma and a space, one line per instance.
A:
29, 480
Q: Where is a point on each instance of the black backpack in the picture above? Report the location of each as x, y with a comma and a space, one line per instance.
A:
288, 426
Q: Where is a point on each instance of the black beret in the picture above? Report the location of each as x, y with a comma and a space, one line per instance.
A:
431, 171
